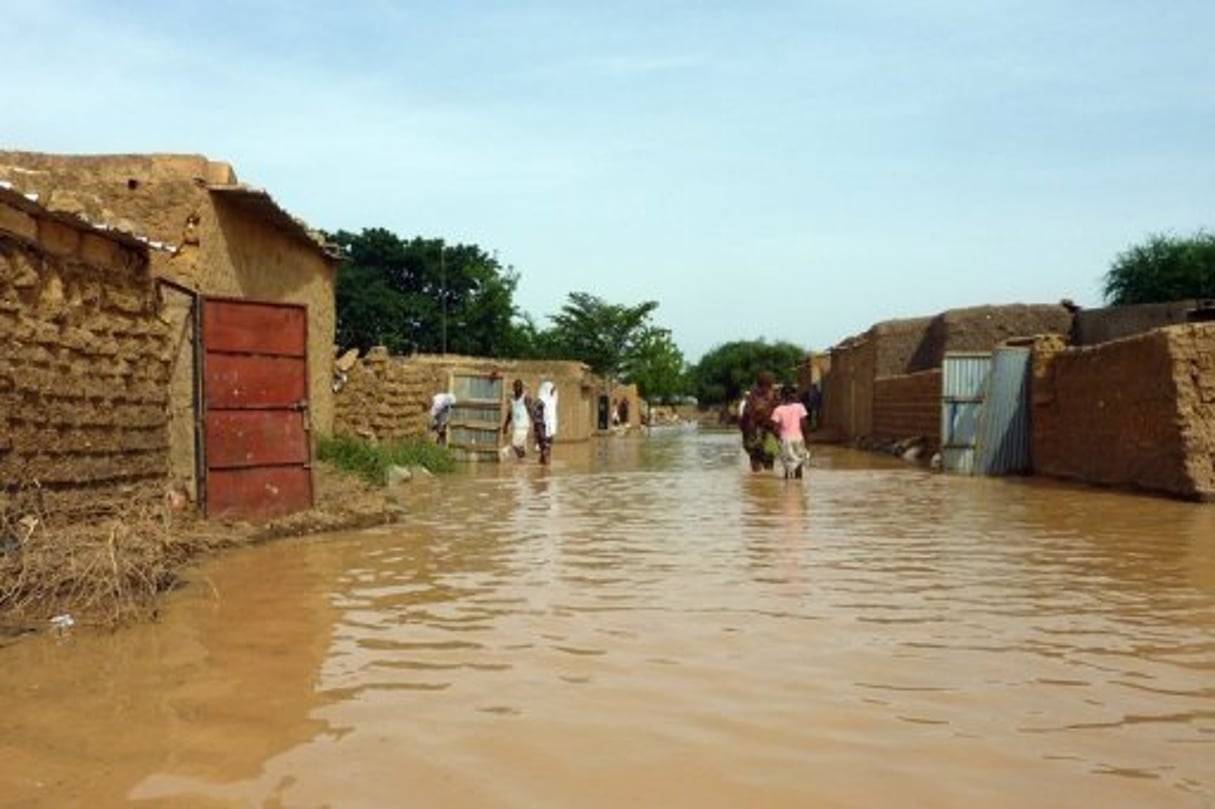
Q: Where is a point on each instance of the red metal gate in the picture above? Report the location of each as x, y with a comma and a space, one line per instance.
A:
255, 409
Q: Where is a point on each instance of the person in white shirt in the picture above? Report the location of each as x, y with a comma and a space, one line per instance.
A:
440, 412
544, 419
518, 417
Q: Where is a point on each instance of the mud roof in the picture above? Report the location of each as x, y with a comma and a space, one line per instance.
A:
258, 203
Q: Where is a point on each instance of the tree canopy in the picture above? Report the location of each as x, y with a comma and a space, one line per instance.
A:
657, 366
617, 341
601, 334
423, 295
728, 370
1163, 268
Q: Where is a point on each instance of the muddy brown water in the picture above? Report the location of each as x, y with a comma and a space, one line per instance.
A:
647, 624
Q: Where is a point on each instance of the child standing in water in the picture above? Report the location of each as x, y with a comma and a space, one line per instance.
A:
789, 417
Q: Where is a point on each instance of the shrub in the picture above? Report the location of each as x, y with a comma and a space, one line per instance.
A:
370, 461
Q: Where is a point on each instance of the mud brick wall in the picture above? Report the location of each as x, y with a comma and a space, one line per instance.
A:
982, 328
848, 389
908, 405
1093, 326
1137, 412
386, 398
896, 342
84, 371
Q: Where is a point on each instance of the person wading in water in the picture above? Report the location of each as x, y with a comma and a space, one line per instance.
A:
755, 422
518, 416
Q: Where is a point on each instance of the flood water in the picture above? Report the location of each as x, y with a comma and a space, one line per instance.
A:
648, 624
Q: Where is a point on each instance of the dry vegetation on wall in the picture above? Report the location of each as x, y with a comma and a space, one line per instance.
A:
114, 567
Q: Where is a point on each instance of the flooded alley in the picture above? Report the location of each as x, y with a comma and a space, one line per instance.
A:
648, 624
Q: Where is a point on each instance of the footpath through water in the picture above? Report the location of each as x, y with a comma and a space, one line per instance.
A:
646, 623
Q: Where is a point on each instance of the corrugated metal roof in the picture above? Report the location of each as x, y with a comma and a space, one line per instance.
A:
258, 203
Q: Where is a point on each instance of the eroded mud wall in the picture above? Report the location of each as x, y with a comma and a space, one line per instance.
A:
1137, 412
84, 372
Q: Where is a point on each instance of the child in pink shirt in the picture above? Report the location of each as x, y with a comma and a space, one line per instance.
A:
788, 418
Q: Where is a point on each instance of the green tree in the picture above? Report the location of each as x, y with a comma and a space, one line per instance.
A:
603, 335
1163, 268
422, 295
729, 369
657, 366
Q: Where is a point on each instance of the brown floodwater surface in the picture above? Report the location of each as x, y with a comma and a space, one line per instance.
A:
648, 624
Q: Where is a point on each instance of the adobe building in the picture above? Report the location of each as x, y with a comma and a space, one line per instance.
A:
84, 374
886, 382
383, 397
248, 295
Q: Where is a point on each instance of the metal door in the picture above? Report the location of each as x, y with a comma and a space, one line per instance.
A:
476, 419
1004, 437
255, 409
963, 387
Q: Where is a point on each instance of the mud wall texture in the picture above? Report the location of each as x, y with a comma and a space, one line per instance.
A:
1137, 412
895, 348
908, 405
84, 374
848, 388
226, 241
896, 343
1093, 326
386, 397
982, 328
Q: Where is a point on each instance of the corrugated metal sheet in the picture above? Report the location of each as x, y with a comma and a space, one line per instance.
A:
476, 419
1004, 434
258, 204
963, 387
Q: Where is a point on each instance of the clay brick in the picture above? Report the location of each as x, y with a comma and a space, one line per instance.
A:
57, 238
99, 251
18, 223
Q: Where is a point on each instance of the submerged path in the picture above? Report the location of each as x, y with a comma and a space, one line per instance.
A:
647, 623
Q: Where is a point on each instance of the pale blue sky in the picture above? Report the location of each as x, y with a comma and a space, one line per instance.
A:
790, 170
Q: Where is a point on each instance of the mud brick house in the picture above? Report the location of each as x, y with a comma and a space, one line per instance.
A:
85, 365
886, 382
384, 397
247, 293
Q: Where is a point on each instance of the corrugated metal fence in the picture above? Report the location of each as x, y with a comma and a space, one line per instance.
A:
985, 425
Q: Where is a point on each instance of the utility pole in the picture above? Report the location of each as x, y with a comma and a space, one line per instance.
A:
443, 297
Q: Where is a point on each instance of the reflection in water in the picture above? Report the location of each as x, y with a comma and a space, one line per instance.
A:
648, 622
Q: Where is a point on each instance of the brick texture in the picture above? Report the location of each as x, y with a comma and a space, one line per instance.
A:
84, 373
1137, 412
908, 405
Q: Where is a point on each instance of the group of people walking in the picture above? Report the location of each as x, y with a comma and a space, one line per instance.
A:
526, 415
771, 426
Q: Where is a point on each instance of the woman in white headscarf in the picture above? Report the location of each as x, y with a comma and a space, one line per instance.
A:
544, 419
